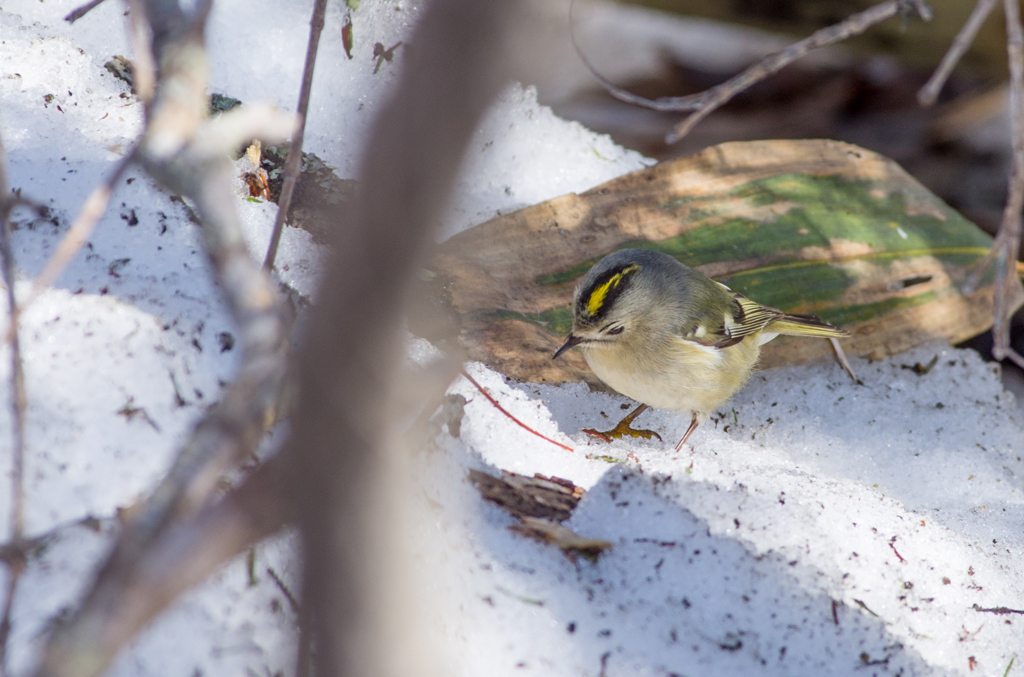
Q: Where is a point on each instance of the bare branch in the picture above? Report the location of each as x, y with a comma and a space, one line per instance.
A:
704, 103
856, 24
1015, 357
1007, 242
18, 403
663, 104
961, 43
294, 161
29, 546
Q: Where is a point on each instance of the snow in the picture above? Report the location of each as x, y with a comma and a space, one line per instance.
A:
807, 489
813, 527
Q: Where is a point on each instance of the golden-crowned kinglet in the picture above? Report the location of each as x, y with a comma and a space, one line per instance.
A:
669, 337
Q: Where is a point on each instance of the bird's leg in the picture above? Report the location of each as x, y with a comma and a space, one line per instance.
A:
689, 431
624, 429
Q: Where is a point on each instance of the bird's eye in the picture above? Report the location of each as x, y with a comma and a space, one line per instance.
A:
616, 330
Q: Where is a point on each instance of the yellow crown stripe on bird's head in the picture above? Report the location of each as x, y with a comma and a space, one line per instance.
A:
597, 297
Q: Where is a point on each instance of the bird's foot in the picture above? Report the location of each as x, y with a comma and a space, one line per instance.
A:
623, 429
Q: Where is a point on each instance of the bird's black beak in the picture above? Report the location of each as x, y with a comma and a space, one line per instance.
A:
570, 341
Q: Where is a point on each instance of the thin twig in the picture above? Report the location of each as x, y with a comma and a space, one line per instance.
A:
186, 555
285, 591
455, 64
13, 550
77, 14
973, 280
841, 356
18, 403
856, 24
195, 548
16, 554
663, 104
514, 419
293, 164
999, 610
961, 43
704, 103
1007, 242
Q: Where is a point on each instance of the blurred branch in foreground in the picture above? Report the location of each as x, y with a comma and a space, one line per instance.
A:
363, 619
15, 563
342, 448
189, 155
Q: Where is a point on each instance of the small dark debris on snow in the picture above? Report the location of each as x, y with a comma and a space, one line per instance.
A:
864, 606
382, 55
122, 69
999, 610
222, 103
865, 658
920, 369
130, 412
734, 644
226, 340
116, 266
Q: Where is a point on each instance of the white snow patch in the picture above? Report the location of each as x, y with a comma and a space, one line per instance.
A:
523, 154
803, 491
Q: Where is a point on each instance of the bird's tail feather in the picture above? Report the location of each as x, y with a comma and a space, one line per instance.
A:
805, 325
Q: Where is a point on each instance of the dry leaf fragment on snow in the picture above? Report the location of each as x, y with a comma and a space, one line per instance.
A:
538, 496
539, 503
556, 534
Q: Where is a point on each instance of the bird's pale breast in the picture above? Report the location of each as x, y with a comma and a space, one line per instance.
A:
684, 376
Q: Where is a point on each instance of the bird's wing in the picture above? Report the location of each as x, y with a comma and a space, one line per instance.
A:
741, 318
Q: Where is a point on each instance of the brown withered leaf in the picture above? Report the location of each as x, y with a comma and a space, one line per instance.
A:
544, 497
539, 503
569, 541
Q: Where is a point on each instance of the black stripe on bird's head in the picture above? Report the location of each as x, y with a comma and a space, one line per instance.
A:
594, 301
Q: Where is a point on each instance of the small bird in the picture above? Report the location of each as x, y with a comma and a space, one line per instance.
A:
669, 337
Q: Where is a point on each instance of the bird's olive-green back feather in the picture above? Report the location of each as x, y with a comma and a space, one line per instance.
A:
746, 317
